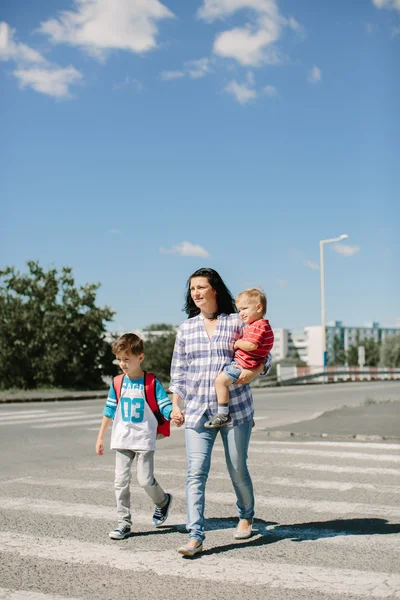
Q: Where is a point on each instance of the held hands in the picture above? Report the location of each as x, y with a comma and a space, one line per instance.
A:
99, 447
177, 416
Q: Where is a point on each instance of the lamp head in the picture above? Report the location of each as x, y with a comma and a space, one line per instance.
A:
343, 237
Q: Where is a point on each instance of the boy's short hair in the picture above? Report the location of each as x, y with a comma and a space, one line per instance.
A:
255, 294
128, 342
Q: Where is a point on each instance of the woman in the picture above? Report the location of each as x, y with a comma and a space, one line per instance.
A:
204, 345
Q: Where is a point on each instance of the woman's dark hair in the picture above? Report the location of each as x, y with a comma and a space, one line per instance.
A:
225, 301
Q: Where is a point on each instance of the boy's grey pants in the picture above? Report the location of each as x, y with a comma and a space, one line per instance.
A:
145, 477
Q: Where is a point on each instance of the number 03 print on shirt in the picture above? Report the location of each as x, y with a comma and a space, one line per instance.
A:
132, 410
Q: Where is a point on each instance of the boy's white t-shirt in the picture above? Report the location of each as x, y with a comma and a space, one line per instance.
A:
134, 426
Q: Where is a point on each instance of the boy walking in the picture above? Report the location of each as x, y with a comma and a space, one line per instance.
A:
250, 351
133, 434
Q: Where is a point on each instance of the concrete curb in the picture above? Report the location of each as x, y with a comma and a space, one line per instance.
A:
19, 399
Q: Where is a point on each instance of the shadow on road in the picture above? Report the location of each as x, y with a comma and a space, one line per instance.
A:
301, 532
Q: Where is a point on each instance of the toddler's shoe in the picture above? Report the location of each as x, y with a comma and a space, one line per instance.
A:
217, 421
161, 514
120, 533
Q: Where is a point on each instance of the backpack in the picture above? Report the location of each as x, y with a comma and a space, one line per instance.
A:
163, 428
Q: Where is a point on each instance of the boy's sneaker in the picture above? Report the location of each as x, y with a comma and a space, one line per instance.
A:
161, 514
120, 533
217, 421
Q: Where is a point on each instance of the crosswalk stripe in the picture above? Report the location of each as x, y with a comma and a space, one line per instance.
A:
209, 567
41, 421
329, 444
38, 417
337, 469
107, 513
66, 422
160, 458
15, 413
325, 453
339, 486
71, 509
7, 594
276, 502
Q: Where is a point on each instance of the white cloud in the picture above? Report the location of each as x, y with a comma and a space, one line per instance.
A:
345, 250
53, 81
129, 82
251, 45
243, 92
11, 50
270, 90
197, 68
247, 45
315, 75
101, 25
169, 75
282, 283
218, 9
391, 4
186, 249
33, 69
310, 265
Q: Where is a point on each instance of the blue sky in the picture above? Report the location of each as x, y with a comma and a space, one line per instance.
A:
142, 140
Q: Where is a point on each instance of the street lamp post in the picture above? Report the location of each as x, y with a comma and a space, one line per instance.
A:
321, 259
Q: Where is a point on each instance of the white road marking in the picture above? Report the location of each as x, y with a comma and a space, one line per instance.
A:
86, 511
336, 469
339, 486
365, 584
7, 594
68, 422
81, 418
327, 453
15, 413
227, 498
356, 445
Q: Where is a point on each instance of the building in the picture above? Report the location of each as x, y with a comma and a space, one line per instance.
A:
306, 344
348, 336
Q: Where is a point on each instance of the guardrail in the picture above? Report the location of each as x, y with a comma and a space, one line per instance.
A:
291, 374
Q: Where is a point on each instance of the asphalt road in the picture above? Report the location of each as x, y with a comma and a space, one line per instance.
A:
327, 523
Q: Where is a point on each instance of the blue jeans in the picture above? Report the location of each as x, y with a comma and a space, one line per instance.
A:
199, 445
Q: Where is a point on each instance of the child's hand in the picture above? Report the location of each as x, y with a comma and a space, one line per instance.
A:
100, 447
177, 417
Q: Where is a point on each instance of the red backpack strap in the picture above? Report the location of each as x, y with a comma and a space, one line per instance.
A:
150, 395
117, 385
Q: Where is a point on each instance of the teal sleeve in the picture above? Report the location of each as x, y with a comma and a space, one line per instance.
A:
111, 404
163, 401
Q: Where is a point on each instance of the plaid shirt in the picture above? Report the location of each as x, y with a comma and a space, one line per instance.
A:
196, 362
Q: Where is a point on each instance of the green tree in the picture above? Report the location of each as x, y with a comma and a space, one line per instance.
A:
51, 332
390, 352
159, 327
338, 353
372, 352
158, 350
352, 356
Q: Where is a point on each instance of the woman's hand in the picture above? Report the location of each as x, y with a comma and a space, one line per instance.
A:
177, 416
248, 375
